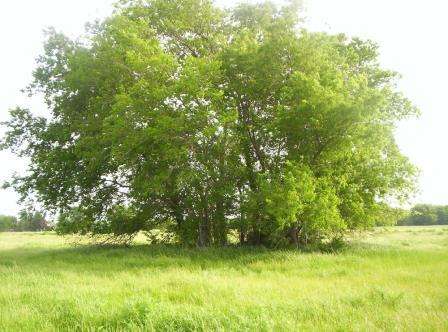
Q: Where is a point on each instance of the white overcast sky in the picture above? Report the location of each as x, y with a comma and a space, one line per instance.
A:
412, 36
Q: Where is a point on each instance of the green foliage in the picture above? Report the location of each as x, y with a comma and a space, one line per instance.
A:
206, 122
28, 221
7, 223
426, 214
31, 221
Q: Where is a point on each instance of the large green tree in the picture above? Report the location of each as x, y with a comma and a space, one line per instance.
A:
180, 115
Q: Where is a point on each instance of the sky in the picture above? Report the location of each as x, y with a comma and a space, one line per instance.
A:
411, 35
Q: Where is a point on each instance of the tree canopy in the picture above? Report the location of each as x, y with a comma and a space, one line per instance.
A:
209, 122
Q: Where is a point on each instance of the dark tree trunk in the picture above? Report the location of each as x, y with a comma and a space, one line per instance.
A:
254, 237
220, 227
203, 235
293, 236
204, 230
252, 154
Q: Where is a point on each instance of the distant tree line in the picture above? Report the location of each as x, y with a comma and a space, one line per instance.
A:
425, 214
27, 221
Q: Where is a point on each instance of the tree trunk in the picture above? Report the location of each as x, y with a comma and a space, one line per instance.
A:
204, 230
220, 227
204, 235
293, 236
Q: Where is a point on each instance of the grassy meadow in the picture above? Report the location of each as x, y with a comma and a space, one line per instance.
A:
392, 279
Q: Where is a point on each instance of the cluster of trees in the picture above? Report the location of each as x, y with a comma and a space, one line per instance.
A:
425, 214
27, 221
7, 223
203, 122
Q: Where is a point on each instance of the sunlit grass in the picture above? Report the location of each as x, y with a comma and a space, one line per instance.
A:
390, 279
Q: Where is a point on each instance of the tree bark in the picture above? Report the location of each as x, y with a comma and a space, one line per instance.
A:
204, 235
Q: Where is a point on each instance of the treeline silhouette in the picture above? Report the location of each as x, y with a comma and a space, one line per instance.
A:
425, 214
27, 221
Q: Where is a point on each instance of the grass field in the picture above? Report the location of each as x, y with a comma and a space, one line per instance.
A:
392, 279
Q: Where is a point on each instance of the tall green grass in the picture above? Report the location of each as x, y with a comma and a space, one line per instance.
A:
389, 280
